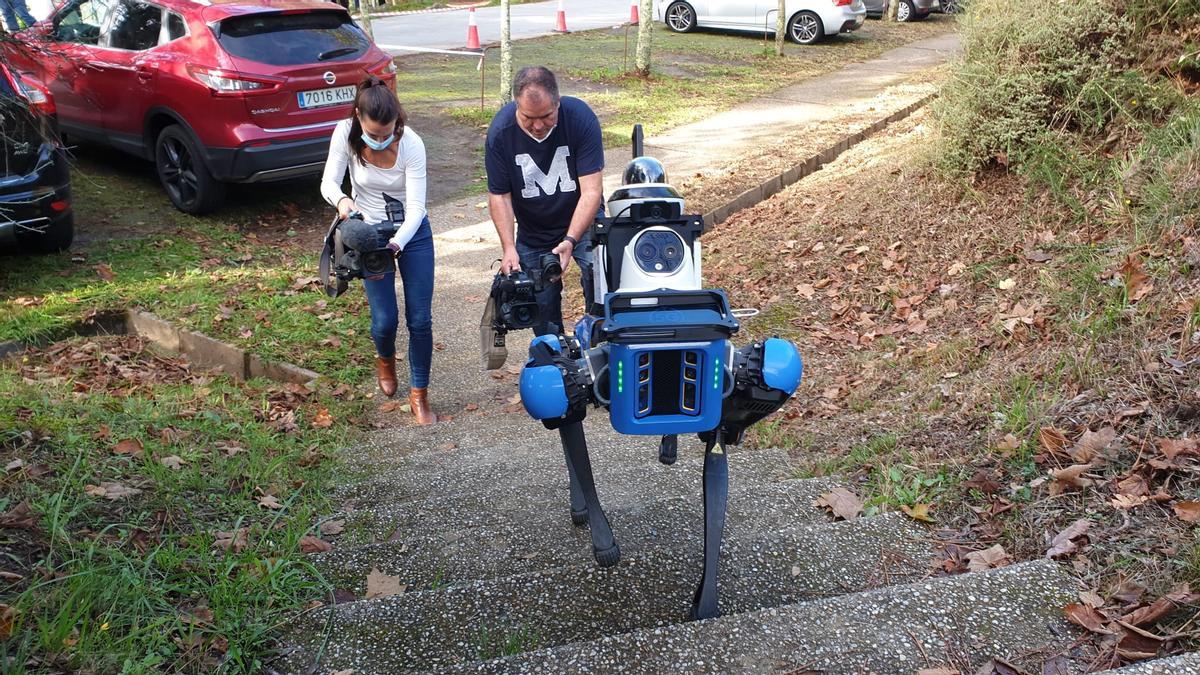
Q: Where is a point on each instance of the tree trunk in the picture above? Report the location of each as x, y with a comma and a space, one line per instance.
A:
893, 6
506, 72
364, 8
642, 62
780, 28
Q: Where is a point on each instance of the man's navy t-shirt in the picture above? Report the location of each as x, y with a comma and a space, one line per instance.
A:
543, 178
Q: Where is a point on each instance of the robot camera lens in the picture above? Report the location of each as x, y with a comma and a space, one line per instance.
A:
647, 251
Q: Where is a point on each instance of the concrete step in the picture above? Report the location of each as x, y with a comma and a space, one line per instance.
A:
492, 438
1186, 664
1014, 613
491, 482
440, 542
435, 629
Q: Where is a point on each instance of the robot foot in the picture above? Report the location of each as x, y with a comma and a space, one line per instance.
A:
609, 556
668, 449
579, 518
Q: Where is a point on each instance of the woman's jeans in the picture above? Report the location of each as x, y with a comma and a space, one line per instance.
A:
12, 10
416, 273
549, 299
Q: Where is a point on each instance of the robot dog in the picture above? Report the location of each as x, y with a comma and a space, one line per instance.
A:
660, 359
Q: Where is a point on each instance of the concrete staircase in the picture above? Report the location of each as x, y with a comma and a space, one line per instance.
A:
500, 581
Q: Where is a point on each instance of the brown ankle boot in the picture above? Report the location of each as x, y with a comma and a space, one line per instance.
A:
385, 369
418, 399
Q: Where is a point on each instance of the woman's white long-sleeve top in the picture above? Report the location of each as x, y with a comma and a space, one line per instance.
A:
404, 181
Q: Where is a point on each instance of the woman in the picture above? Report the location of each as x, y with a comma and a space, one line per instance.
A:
385, 157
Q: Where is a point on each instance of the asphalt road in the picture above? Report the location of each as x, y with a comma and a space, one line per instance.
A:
448, 30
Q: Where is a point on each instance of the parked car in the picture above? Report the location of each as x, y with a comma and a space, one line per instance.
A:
212, 91
908, 10
35, 186
807, 21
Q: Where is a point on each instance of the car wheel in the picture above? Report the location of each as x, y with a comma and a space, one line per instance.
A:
905, 12
58, 237
181, 169
680, 17
950, 6
805, 28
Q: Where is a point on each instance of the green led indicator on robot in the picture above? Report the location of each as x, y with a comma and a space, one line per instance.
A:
620, 377
716, 373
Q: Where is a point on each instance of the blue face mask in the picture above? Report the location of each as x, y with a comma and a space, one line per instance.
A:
378, 145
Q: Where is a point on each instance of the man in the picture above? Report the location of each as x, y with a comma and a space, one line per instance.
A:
545, 159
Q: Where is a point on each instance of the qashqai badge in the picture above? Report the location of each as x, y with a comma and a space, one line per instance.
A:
330, 78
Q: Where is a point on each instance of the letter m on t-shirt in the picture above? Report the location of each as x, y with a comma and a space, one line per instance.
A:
550, 182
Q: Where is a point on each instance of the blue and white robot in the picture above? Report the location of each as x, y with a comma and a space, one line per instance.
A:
657, 352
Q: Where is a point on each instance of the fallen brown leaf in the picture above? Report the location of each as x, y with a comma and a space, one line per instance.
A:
842, 502
1188, 511
1063, 543
269, 502
1072, 476
918, 512
111, 491
332, 527
310, 544
1093, 444
235, 541
129, 446
323, 419
1087, 617
174, 462
988, 558
380, 585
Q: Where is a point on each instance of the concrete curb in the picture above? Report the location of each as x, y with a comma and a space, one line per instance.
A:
814, 163
202, 351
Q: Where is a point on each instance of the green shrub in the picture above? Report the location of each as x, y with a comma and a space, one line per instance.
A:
1030, 67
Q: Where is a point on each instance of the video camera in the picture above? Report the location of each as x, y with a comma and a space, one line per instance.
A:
352, 248
512, 305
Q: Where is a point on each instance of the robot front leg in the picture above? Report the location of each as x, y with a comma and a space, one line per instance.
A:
604, 546
716, 495
579, 509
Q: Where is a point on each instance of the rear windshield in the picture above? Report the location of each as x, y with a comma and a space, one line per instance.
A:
292, 39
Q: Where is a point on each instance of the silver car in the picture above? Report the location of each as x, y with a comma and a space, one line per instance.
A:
909, 10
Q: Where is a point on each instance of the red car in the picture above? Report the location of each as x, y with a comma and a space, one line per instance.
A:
212, 91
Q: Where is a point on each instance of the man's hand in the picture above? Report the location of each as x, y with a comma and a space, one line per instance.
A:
564, 251
510, 261
345, 207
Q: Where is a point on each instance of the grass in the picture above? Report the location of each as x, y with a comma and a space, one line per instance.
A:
135, 584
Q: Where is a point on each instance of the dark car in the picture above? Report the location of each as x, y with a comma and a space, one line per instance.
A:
35, 186
211, 91
908, 10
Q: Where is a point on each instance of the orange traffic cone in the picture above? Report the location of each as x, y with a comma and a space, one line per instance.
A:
560, 22
633, 12
472, 30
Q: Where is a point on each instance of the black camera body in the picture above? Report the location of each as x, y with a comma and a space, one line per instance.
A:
512, 305
516, 304
361, 256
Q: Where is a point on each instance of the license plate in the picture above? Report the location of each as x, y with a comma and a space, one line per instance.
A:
317, 98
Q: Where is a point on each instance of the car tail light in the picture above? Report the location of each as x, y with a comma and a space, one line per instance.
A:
37, 94
229, 82
385, 67
60, 205
842, 3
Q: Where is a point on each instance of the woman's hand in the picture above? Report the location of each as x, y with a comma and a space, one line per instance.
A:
345, 207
